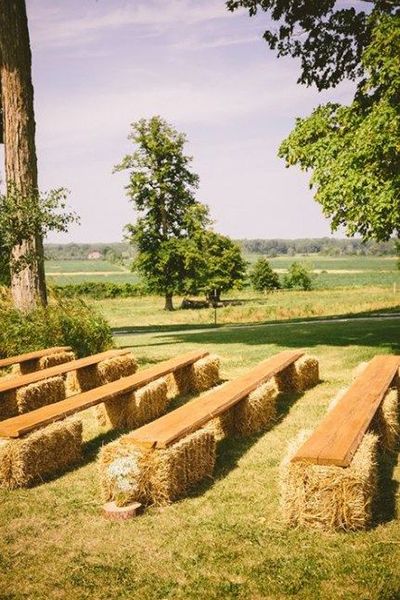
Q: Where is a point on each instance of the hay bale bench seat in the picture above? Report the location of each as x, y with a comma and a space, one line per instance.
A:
329, 478
34, 445
32, 390
161, 461
39, 359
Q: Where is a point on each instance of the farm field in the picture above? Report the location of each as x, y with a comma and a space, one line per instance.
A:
330, 272
227, 539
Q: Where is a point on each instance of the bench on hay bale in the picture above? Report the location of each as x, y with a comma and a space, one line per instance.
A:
36, 444
30, 391
329, 478
161, 461
39, 359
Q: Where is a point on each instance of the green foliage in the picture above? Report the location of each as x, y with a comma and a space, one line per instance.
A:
161, 187
263, 277
327, 36
324, 246
99, 290
298, 276
25, 216
62, 323
353, 151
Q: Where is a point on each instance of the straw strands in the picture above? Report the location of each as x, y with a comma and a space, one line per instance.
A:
105, 371
298, 376
198, 377
40, 454
330, 497
157, 477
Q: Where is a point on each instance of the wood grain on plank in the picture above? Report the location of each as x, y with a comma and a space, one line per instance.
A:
20, 358
336, 439
27, 422
73, 365
186, 419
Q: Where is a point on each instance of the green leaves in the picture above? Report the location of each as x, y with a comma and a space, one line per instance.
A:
263, 277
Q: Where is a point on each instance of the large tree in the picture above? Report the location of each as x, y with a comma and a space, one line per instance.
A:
352, 151
18, 124
161, 188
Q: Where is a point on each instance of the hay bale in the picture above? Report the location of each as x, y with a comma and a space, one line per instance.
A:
134, 409
223, 426
28, 366
205, 373
198, 377
57, 358
39, 394
40, 454
8, 405
329, 497
386, 421
257, 412
298, 376
129, 474
116, 367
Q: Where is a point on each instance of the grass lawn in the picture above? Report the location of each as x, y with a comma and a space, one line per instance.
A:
227, 539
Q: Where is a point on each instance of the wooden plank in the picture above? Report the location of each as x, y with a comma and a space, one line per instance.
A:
188, 418
73, 365
20, 358
336, 439
22, 424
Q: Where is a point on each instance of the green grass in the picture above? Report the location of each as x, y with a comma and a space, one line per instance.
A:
76, 266
227, 539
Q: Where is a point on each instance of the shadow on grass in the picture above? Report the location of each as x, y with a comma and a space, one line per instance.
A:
385, 505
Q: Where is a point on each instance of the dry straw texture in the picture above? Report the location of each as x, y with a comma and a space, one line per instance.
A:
330, 497
198, 377
58, 358
39, 394
41, 454
157, 477
134, 409
8, 405
386, 422
105, 371
299, 376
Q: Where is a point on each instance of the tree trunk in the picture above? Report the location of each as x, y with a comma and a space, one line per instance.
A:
28, 284
168, 302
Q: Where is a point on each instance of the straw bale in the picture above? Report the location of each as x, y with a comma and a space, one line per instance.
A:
39, 394
257, 412
134, 409
198, 377
28, 366
129, 474
57, 358
116, 367
40, 454
330, 497
8, 405
298, 376
386, 421
222, 426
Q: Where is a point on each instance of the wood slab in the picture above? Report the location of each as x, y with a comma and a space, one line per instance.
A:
336, 439
22, 424
72, 365
188, 418
20, 358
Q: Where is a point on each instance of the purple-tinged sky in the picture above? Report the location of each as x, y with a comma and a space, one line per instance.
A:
100, 65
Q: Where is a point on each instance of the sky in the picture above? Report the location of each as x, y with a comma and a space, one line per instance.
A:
99, 65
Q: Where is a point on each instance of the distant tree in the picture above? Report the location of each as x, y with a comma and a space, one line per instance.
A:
263, 277
298, 276
161, 188
223, 267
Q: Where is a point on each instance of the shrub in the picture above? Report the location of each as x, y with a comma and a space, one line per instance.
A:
68, 322
263, 278
298, 276
99, 290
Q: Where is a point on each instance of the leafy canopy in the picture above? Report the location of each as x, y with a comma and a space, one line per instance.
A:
263, 278
298, 276
328, 36
354, 151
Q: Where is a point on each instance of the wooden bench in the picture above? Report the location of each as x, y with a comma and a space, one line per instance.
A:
22, 424
336, 439
188, 418
30, 356
9, 385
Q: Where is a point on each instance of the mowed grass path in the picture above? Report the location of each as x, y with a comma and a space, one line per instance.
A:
227, 539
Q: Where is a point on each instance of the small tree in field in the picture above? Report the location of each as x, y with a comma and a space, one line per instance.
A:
263, 277
298, 276
161, 188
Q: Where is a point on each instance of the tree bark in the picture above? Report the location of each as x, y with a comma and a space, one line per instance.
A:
28, 284
168, 302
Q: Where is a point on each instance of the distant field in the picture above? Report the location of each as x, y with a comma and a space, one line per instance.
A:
79, 266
